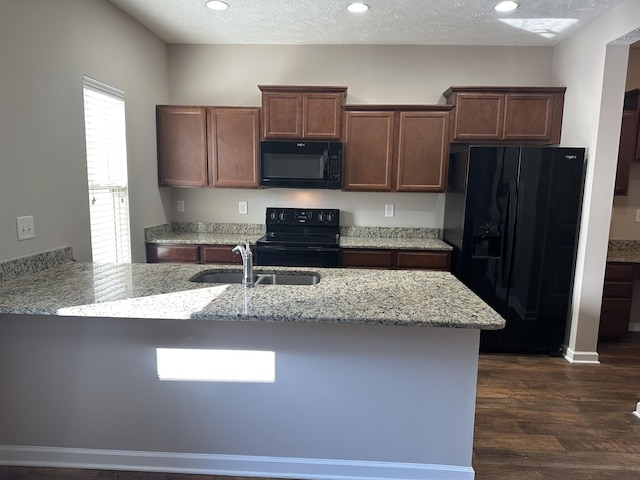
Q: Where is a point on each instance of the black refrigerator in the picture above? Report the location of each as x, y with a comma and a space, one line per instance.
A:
512, 216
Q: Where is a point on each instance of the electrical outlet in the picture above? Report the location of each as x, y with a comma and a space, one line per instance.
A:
389, 210
242, 208
25, 227
180, 205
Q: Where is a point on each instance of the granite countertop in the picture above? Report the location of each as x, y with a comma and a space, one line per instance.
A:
157, 291
627, 251
350, 237
394, 243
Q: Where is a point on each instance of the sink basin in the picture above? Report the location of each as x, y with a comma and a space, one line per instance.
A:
287, 279
217, 276
213, 276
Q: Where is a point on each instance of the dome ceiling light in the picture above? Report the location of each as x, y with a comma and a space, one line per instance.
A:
358, 7
217, 5
506, 6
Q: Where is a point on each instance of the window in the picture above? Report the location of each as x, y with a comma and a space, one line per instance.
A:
106, 147
195, 365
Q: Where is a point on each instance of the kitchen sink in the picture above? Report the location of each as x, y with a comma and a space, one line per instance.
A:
216, 276
213, 276
287, 279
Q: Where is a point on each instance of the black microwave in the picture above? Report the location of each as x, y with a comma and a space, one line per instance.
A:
300, 164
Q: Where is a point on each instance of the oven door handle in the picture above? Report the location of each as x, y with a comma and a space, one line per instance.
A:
283, 248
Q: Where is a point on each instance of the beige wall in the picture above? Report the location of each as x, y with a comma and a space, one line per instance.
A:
45, 49
623, 224
229, 75
594, 71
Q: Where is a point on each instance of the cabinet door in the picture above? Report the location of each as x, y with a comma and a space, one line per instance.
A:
282, 113
423, 151
616, 302
423, 260
321, 116
529, 118
220, 254
365, 258
626, 150
478, 117
233, 147
368, 151
159, 253
182, 146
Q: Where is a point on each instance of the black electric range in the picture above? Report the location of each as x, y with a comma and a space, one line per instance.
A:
302, 237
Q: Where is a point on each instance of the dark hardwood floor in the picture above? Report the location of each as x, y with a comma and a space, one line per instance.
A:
536, 418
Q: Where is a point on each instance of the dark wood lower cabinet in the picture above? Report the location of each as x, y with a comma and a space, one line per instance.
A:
160, 253
219, 254
396, 259
350, 257
172, 253
616, 299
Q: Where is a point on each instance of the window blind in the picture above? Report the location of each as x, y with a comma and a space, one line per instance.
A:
106, 149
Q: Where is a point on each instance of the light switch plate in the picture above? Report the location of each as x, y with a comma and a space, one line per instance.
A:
243, 208
25, 229
180, 205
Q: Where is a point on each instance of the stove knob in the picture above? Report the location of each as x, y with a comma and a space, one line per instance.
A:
321, 217
282, 216
273, 215
329, 217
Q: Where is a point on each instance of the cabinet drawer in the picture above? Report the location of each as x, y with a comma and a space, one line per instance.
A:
619, 272
423, 260
219, 254
157, 253
617, 289
367, 258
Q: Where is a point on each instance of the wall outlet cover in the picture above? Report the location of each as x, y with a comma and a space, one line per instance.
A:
389, 210
180, 205
243, 208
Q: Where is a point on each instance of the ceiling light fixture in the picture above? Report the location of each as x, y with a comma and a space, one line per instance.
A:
358, 7
217, 5
506, 6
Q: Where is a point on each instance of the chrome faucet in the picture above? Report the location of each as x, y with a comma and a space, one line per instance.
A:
247, 262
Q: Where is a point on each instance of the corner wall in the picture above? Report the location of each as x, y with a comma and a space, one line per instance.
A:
45, 49
594, 72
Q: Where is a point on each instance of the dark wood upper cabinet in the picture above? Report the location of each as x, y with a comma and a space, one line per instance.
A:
234, 140
292, 112
368, 150
396, 148
528, 115
423, 150
182, 146
208, 146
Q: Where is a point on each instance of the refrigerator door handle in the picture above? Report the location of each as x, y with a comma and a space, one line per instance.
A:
509, 234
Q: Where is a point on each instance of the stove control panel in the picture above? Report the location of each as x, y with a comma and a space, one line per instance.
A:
303, 216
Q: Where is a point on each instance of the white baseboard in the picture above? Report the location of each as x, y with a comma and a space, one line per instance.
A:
229, 465
582, 357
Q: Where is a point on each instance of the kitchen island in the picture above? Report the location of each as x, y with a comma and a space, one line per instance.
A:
374, 372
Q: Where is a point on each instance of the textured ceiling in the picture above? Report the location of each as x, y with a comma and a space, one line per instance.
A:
391, 22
